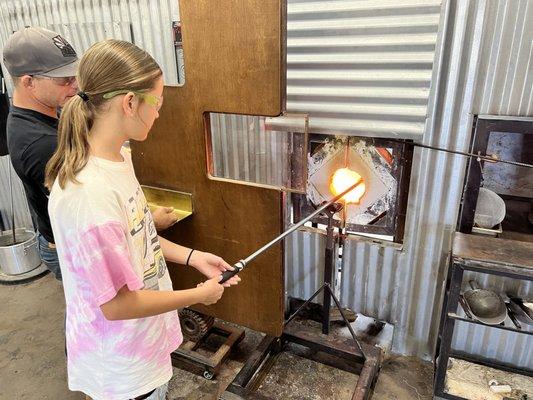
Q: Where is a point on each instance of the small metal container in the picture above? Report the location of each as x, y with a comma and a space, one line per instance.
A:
21, 257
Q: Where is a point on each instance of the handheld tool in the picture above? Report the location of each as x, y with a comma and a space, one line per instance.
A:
239, 266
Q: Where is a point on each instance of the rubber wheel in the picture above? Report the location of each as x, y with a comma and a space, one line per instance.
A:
195, 325
208, 375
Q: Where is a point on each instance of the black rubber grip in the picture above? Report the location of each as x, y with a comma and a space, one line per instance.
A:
228, 275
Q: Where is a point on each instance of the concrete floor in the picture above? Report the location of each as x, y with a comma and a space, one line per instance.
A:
32, 360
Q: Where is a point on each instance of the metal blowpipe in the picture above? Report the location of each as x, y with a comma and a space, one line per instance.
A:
239, 266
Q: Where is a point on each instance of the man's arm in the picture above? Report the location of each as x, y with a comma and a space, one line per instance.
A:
36, 157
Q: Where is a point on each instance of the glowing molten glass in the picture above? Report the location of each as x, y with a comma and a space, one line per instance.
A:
342, 179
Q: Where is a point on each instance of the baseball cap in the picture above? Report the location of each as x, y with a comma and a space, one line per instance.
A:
39, 51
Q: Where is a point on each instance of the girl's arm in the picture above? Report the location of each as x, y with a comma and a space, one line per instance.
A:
208, 264
135, 304
174, 252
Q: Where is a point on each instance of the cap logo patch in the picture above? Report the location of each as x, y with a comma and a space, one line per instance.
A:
64, 46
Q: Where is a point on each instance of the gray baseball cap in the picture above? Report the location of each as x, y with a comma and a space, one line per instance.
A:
38, 51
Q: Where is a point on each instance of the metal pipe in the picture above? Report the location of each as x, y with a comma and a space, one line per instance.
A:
242, 263
329, 267
13, 232
483, 157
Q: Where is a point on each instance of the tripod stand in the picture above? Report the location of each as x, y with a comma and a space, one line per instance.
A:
365, 358
329, 270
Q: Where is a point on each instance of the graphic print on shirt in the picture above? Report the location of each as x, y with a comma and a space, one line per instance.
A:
144, 235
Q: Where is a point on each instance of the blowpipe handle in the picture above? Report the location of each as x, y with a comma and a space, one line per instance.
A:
227, 275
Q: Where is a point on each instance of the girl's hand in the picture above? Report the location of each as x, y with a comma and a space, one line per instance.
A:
211, 291
212, 266
164, 217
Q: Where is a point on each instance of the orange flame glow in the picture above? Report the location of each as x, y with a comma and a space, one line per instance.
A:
342, 179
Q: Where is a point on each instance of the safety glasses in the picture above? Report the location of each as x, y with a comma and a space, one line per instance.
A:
150, 99
62, 81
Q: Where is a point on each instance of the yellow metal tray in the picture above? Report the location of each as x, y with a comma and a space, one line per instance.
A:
159, 197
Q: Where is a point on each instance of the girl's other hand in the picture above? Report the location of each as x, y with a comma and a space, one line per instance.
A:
211, 291
164, 217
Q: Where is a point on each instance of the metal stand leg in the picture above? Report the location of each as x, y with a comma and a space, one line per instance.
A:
447, 331
329, 268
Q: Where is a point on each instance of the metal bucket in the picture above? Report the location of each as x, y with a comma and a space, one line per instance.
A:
21, 257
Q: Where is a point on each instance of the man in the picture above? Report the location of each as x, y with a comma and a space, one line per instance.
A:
43, 67
4, 110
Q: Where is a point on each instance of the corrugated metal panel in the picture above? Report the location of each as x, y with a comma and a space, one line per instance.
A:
361, 67
243, 149
504, 87
506, 77
22, 212
369, 279
304, 258
147, 23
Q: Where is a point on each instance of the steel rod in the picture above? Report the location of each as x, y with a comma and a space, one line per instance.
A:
13, 232
463, 153
242, 263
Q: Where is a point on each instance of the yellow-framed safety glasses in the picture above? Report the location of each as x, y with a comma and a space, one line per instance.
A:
150, 99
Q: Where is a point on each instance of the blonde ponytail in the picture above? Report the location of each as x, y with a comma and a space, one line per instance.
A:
107, 66
72, 151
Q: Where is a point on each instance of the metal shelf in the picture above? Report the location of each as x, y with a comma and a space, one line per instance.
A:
488, 256
473, 321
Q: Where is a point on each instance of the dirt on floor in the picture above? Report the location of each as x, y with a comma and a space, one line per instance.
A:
33, 363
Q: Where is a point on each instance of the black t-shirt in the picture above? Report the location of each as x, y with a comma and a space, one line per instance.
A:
31, 140
4, 110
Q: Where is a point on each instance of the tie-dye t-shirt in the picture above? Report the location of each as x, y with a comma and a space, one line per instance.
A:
106, 239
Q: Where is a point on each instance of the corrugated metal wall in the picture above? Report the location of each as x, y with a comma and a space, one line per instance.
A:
22, 212
304, 255
381, 280
362, 67
147, 23
369, 279
484, 67
504, 87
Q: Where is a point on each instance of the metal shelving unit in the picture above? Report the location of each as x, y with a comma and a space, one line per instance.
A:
508, 258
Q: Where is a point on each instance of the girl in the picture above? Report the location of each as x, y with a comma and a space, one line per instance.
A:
121, 322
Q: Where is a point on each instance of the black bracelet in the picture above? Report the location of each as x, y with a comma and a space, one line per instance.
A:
188, 258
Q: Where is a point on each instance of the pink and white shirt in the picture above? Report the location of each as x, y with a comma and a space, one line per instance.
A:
106, 238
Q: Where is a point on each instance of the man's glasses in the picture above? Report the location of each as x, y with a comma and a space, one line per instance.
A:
150, 99
62, 81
